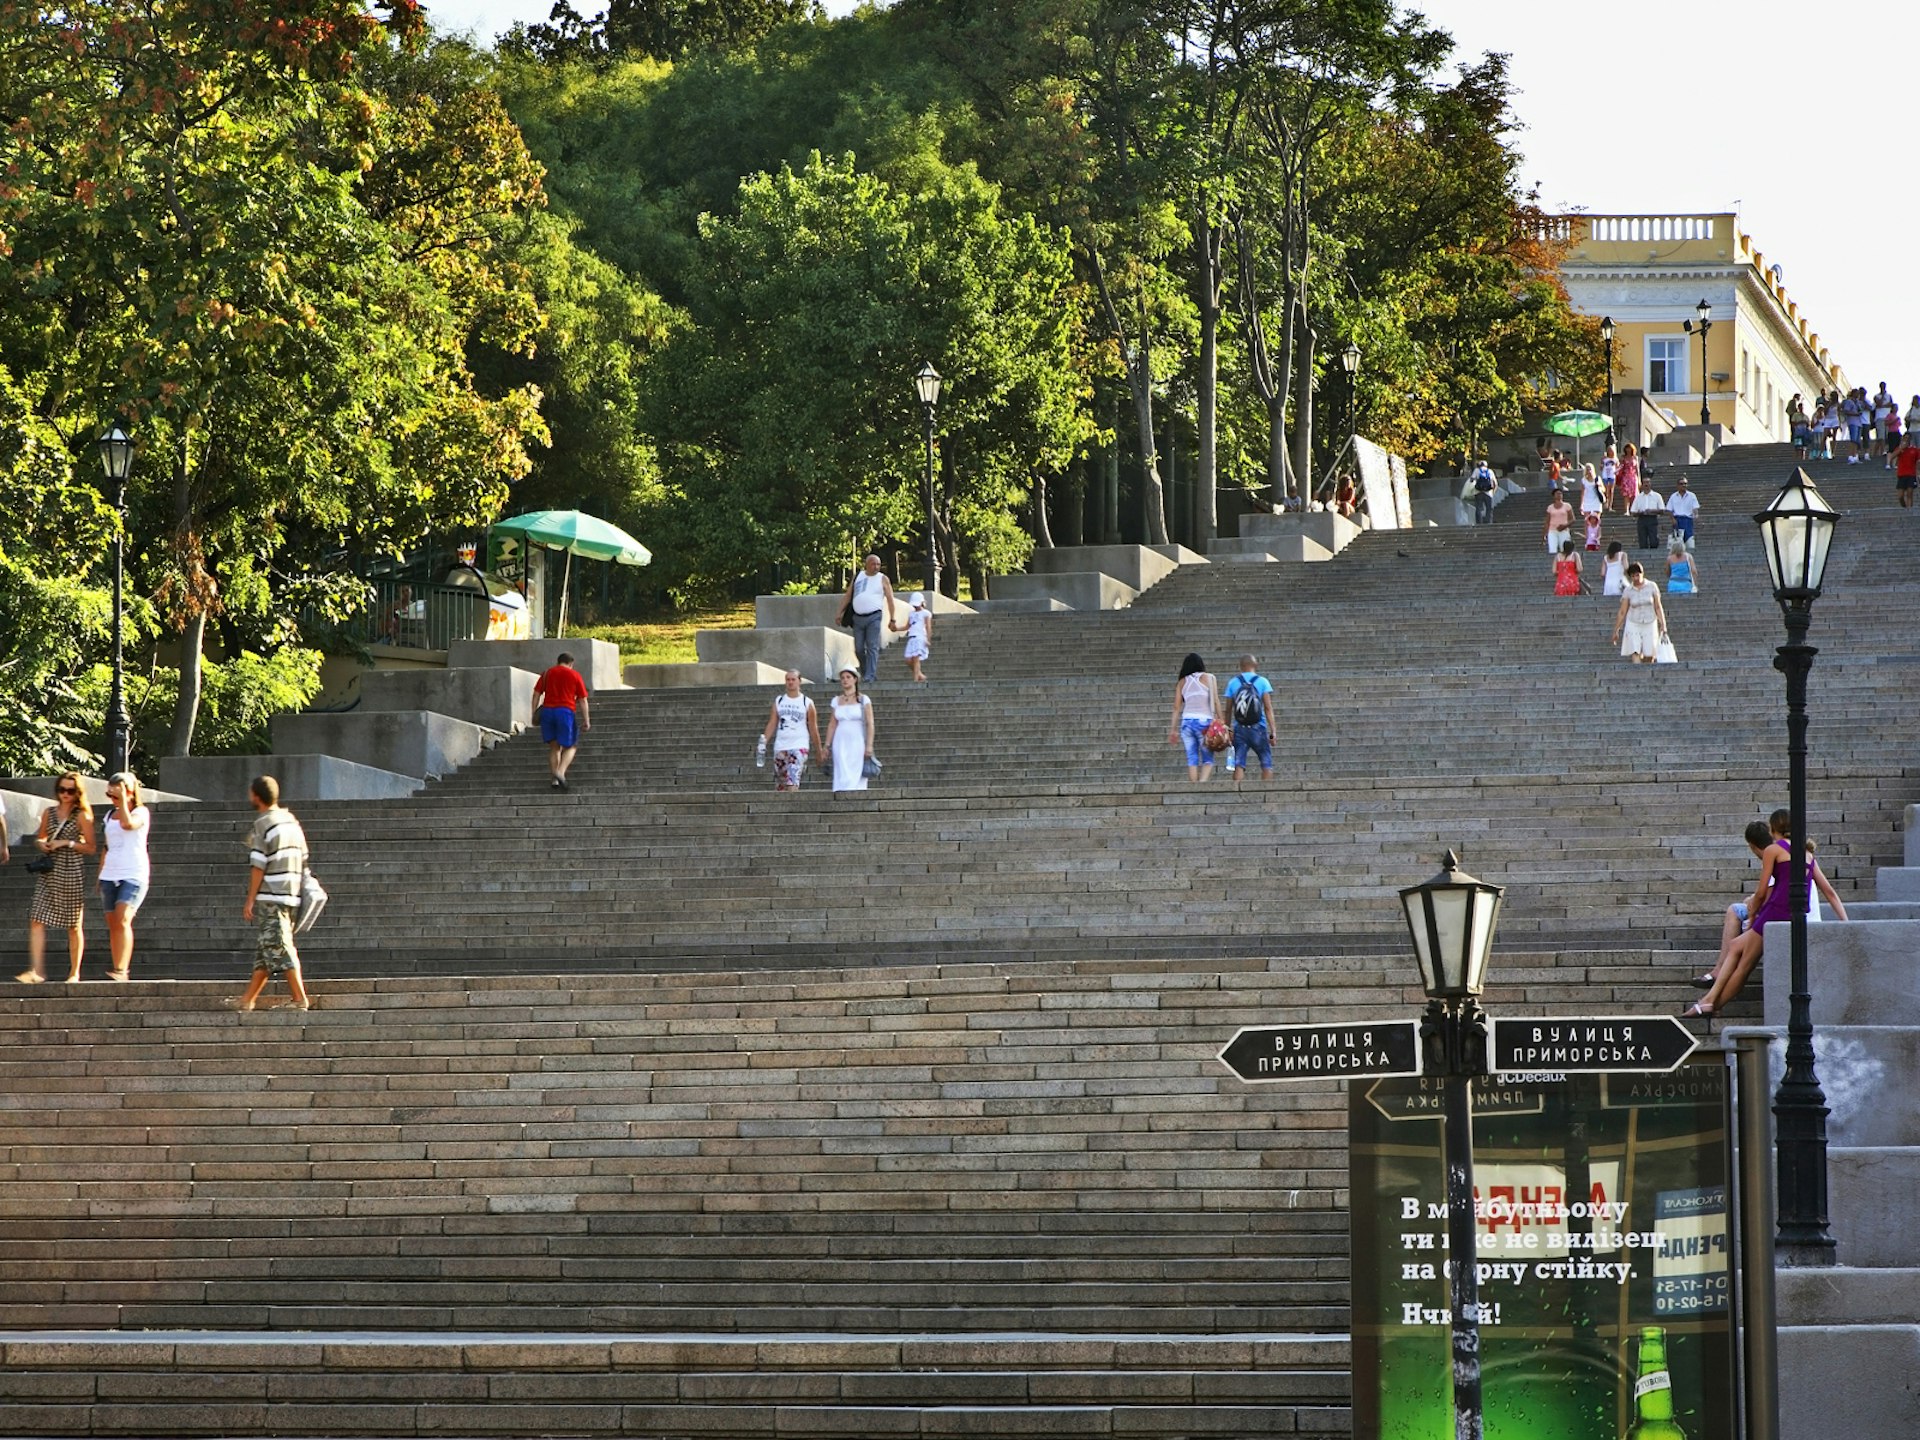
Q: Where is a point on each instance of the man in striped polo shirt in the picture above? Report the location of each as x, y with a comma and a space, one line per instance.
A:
277, 862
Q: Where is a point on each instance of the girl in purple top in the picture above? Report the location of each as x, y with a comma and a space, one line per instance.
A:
1772, 901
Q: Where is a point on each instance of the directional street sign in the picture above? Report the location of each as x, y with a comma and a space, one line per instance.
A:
1606, 1044
1319, 1052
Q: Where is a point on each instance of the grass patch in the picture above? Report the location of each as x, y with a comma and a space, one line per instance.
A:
668, 641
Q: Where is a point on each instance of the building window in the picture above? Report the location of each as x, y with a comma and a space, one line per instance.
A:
1667, 366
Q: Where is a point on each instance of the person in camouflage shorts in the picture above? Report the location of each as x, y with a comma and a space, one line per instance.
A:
276, 864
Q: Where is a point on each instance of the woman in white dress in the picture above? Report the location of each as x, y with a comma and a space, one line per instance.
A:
1641, 619
850, 733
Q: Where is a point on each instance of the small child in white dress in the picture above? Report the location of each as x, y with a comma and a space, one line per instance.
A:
919, 628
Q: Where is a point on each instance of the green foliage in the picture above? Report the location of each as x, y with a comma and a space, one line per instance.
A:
794, 429
240, 699
600, 329
53, 528
265, 243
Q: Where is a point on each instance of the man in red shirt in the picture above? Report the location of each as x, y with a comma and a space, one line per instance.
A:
560, 707
1906, 465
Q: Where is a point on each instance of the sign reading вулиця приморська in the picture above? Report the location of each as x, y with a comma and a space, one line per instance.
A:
1604, 1266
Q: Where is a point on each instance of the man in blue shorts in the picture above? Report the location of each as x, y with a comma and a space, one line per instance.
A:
1249, 697
560, 707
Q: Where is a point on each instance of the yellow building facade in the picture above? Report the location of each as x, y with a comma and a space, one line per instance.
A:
1648, 274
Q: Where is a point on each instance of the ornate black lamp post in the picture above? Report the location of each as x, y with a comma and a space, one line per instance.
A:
1606, 336
1797, 526
1350, 365
1704, 312
1452, 918
116, 456
926, 384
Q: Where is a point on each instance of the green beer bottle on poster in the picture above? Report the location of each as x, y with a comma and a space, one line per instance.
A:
1653, 1391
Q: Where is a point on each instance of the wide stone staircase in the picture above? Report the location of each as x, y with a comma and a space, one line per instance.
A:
671, 1106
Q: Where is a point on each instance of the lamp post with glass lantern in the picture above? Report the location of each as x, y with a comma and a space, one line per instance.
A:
1704, 314
1451, 919
1797, 529
926, 385
1606, 337
1350, 366
116, 457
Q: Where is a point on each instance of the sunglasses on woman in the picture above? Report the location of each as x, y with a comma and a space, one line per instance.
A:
66, 789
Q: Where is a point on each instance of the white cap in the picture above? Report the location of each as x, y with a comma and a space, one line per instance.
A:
919, 599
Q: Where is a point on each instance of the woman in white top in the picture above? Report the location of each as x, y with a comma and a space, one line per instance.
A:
791, 723
1196, 705
850, 733
1641, 618
125, 868
1615, 571
1592, 502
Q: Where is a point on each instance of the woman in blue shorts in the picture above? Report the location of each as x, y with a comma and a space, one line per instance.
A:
1196, 705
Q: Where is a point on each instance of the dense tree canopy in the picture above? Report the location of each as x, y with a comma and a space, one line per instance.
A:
305, 253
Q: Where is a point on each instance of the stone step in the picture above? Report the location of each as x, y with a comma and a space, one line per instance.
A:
720, 1384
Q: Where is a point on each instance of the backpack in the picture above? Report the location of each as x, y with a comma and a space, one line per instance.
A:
1247, 709
313, 899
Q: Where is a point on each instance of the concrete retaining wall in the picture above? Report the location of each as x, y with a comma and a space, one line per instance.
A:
1083, 590
407, 742
598, 661
1133, 565
816, 651
225, 778
497, 697
709, 672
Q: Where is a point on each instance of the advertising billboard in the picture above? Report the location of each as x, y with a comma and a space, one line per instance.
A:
1605, 1261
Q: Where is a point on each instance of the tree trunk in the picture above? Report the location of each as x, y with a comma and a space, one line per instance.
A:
1207, 237
1303, 408
186, 709
1153, 493
1279, 473
1042, 528
1073, 505
1139, 361
1110, 525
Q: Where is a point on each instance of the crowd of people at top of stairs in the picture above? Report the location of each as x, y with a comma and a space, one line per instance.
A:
1873, 424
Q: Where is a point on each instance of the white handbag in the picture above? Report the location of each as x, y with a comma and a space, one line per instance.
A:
1664, 654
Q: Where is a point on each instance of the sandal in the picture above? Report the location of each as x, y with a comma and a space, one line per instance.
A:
1698, 1010
1703, 982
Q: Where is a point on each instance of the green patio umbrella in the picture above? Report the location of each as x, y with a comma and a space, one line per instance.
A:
1578, 423
576, 534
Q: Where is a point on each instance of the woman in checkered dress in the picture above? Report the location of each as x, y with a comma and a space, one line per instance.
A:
60, 896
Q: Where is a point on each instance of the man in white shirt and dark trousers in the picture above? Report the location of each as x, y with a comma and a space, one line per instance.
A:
1648, 507
1683, 505
862, 605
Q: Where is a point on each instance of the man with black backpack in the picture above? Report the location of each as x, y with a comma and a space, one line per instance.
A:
1249, 697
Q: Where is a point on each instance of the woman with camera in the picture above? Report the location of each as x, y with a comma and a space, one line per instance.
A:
65, 838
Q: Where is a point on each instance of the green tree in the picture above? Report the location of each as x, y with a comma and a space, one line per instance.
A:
785, 410
53, 527
215, 231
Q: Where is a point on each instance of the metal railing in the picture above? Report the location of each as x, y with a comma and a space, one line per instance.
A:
420, 616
